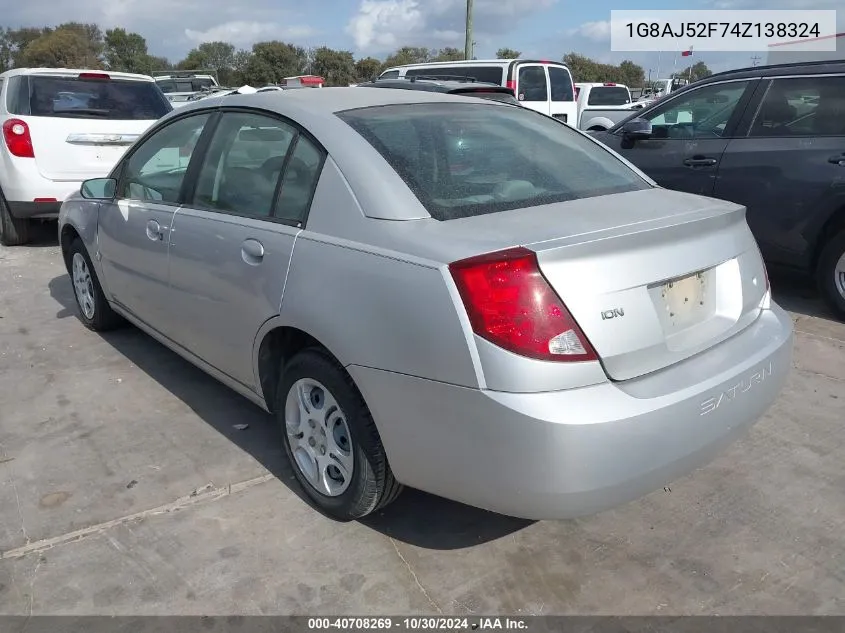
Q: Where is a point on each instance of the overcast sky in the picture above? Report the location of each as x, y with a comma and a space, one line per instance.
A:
538, 28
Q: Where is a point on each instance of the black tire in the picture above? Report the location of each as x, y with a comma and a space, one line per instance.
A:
831, 288
372, 485
103, 317
13, 231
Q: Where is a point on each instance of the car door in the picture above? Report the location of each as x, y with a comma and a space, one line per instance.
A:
689, 135
134, 228
232, 242
562, 105
789, 170
532, 87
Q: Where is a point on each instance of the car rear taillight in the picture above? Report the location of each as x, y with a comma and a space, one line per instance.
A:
18, 140
511, 84
510, 304
608, 84
101, 76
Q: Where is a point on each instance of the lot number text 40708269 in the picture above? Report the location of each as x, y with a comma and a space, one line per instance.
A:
418, 623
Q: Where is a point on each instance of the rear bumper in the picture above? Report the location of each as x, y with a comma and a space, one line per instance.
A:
23, 184
47, 210
556, 455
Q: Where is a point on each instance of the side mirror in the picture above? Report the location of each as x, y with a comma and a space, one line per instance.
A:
637, 129
99, 189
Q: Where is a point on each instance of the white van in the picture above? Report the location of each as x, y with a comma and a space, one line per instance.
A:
538, 84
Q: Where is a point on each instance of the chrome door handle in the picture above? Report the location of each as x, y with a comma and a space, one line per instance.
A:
700, 161
155, 231
252, 251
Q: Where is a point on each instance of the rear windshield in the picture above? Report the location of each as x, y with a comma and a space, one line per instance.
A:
190, 84
468, 159
609, 96
127, 100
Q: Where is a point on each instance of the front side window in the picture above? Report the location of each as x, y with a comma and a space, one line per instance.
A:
241, 169
701, 113
390, 74
156, 169
561, 84
532, 84
803, 106
464, 160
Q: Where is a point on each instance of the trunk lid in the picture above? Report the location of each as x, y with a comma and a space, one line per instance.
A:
654, 292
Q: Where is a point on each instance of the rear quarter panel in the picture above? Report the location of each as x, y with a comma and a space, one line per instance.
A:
372, 310
371, 304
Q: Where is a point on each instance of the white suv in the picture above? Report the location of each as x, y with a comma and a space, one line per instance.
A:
60, 127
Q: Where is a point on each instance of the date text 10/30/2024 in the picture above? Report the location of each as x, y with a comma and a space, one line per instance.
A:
417, 624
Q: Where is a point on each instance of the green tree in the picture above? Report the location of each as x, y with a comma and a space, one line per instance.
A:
448, 54
336, 67
507, 53
126, 51
69, 46
583, 69
240, 62
408, 55
367, 68
695, 72
270, 62
92, 37
631, 74
214, 56
14, 41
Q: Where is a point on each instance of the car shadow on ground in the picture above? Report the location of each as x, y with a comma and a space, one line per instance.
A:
798, 293
416, 518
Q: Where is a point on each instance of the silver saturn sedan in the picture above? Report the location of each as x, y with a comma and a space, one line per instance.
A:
442, 292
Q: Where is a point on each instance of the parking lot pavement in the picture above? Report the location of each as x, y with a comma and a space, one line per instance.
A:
126, 489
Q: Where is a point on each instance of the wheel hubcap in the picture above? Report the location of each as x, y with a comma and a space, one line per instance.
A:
839, 276
319, 437
83, 286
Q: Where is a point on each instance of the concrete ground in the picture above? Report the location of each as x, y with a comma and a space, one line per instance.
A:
126, 489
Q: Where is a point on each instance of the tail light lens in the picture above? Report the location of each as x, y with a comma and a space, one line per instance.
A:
510, 304
511, 84
18, 140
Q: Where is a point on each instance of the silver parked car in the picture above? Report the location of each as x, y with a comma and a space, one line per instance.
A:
443, 292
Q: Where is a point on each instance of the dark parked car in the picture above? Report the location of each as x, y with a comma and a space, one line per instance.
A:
771, 138
455, 86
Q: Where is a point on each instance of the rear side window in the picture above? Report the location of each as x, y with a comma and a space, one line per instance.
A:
243, 164
487, 74
470, 159
609, 96
561, 84
73, 97
802, 106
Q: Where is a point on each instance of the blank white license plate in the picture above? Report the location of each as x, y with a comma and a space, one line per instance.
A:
684, 299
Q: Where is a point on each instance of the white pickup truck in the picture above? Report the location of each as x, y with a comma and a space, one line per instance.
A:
179, 87
602, 105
